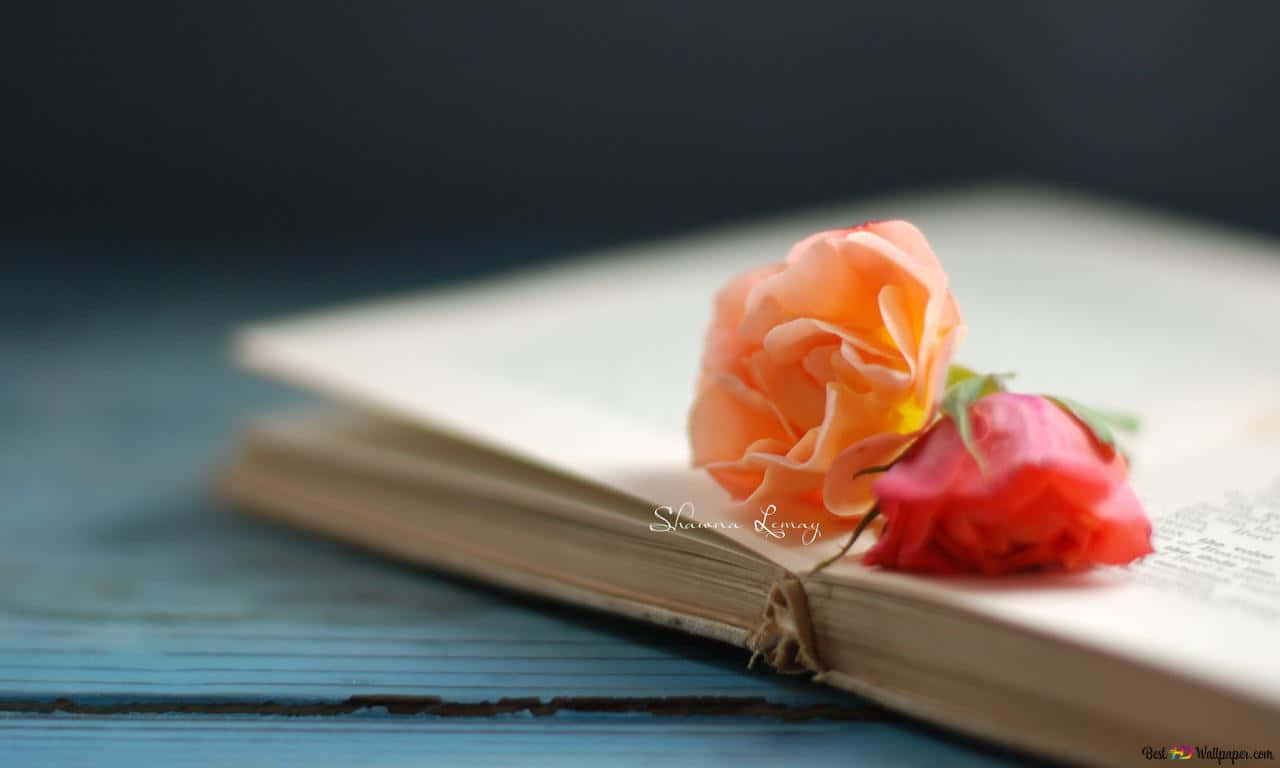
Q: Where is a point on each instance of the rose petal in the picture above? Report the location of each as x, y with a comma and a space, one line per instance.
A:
846, 495
796, 396
727, 417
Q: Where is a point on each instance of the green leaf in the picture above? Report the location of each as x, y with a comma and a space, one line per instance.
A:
1125, 422
1099, 422
961, 395
958, 373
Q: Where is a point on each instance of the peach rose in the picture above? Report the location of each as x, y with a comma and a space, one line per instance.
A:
823, 365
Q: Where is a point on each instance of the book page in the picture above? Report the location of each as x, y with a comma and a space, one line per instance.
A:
588, 369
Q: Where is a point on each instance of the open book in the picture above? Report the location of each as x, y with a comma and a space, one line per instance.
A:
529, 432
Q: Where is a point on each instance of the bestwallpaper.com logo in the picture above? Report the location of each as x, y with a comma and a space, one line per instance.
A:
1219, 754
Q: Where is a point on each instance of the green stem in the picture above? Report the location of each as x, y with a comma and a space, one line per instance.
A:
862, 526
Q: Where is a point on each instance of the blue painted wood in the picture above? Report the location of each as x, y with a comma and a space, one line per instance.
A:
560, 741
126, 590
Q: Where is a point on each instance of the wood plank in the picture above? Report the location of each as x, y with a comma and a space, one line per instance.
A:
370, 739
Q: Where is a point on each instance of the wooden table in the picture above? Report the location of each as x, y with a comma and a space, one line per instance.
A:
144, 622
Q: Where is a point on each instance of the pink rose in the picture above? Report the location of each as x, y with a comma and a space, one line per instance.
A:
1051, 496
821, 365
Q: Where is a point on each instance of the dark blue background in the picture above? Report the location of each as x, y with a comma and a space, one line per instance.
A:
468, 122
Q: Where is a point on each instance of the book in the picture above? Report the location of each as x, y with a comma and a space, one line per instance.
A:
528, 431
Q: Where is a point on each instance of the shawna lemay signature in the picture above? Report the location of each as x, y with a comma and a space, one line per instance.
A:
681, 519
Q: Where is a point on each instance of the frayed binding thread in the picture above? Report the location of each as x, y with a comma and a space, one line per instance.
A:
784, 636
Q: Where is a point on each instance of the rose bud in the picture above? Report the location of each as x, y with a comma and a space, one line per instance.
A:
1049, 495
